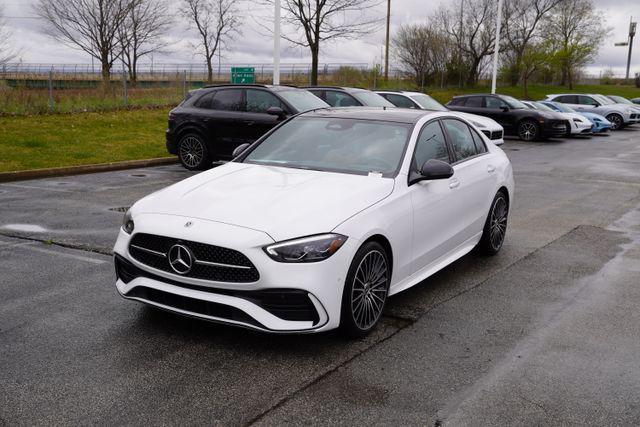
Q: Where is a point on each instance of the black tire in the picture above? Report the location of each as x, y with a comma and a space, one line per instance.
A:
616, 120
193, 152
365, 290
528, 130
495, 227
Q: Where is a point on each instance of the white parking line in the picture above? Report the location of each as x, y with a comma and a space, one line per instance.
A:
64, 254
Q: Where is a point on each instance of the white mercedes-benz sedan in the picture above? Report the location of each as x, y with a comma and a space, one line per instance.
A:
317, 223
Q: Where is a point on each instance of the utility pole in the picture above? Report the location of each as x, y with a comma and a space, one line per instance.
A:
276, 43
386, 51
496, 48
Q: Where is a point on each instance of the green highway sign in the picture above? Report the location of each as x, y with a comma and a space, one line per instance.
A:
243, 75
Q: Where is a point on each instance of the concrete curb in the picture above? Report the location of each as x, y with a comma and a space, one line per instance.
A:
83, 169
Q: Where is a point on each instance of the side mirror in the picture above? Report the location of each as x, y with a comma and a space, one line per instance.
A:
432, 169
504, 108
239, 150
277, 111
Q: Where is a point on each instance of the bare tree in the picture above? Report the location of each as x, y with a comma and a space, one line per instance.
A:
320, 21
7, 52
422, 51
89, 25
521, 25
142, 31
578, 31
472, 30
216, 21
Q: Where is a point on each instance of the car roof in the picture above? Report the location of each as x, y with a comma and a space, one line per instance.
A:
398, 115
275, 88
344, 88
401, 92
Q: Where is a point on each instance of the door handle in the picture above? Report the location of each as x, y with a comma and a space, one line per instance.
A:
491, 168
249, 122
454, 183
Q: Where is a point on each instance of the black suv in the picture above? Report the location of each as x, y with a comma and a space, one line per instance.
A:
514, 116
348, 96
211, 122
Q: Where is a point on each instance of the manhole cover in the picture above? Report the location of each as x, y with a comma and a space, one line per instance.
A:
120, 209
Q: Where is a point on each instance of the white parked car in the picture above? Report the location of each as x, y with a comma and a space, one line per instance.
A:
577, 124
406, 99
620, 115
315, 224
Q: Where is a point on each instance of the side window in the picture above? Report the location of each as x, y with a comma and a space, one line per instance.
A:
568, 99
319, 93
339, 99
495, 103
259, 101
400, 101
228, 100
474, 101
461, 139
477, 139
457, 101
431, 145
586, 100
205, 100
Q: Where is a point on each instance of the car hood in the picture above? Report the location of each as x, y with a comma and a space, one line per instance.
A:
592, 116
487, 122
282, 202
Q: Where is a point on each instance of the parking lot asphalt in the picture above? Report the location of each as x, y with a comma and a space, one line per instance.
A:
545, 332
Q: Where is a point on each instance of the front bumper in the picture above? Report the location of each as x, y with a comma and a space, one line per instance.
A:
286, 298
554, 128
171, 143
579, 128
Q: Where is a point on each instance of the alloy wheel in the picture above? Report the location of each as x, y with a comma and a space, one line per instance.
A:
616, 121
369, 290
527, 131
498, 224
191, 151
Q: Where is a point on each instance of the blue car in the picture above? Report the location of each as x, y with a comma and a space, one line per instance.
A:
599, 123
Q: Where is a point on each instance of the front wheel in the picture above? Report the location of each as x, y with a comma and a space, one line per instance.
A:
365, 291
528, 130
617, 122
193, 152
495, 227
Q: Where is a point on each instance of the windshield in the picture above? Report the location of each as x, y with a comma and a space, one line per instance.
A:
303, 100
563, 108
541, 107
335, 145
603, 100
620, 99
371, 99
428, 103
513, 103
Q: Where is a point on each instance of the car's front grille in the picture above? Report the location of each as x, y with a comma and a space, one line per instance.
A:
192, 305
635, 116
287, 304
206, 262
496, 134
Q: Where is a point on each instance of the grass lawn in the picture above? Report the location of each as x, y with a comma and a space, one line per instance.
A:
44, 141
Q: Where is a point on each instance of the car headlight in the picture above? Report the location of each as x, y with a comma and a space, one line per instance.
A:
306, 249
127, 222
577, 120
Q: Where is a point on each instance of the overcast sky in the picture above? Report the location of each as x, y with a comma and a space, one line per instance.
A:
255, 47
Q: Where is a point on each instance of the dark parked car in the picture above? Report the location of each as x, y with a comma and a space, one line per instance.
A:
211, 122
515, 117
348, 96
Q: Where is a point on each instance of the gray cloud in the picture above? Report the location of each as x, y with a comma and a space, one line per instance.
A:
255, 47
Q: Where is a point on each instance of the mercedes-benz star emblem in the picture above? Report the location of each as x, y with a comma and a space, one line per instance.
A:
180, 259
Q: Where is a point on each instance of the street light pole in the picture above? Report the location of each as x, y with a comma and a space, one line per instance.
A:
276, 43
496, 48
632, 33
386, 51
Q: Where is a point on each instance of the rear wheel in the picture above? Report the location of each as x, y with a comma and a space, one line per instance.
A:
528, 130
193, 152
617, 122
365, 291
495, 227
